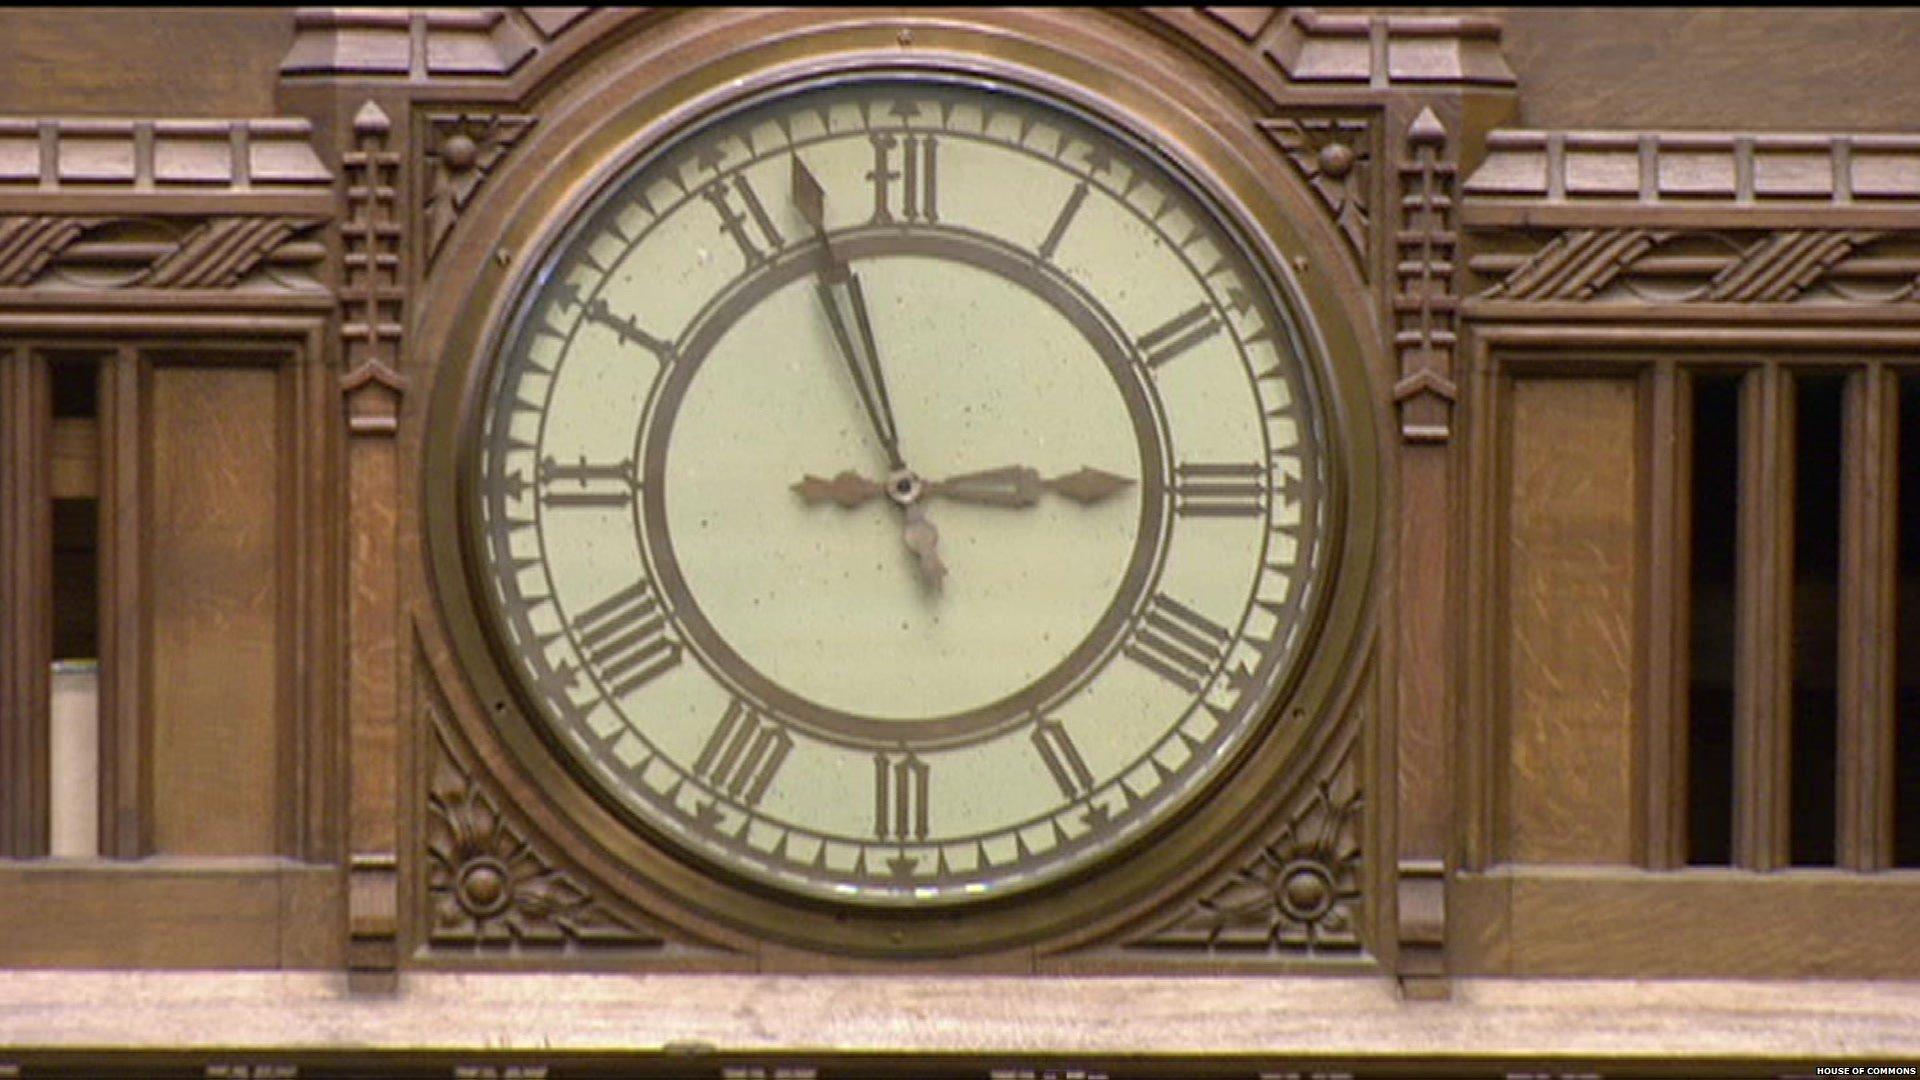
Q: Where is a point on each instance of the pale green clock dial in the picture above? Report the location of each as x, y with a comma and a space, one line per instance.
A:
901, 490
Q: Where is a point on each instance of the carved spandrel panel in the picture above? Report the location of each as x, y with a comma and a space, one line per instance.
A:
463, 148
1335, 156
489, 886
1300, 895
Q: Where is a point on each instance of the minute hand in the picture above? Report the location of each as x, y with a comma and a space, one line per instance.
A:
1021, 485
862, 363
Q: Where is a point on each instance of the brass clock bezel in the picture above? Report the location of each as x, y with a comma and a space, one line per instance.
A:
540, 208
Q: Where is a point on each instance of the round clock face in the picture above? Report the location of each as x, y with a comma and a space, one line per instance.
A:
901, 490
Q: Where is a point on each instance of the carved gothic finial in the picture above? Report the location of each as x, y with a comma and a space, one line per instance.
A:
1424, 303
371, 120
1426, 128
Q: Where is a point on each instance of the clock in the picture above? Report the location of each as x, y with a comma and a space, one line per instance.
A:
896, 492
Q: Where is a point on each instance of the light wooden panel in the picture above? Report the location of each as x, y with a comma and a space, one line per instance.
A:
1646, 924
175, 913
215, 591
1573, 527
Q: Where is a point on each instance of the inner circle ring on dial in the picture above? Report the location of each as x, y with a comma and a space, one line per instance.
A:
955, 728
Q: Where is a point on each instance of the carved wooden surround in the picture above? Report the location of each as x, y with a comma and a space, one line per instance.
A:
1365, 116
324, 242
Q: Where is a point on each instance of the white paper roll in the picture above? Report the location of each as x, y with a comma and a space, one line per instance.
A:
73, 766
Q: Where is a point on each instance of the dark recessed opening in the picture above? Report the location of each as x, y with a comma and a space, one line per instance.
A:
1906, 826
1816, 617
1716, 487
74, 386
76, 579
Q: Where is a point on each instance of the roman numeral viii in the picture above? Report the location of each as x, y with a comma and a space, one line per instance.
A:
1178, 644
624, 638
743, 754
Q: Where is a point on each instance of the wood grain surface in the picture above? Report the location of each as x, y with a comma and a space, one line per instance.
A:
1572, 527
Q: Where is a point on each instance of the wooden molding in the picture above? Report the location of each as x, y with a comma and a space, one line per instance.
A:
1373, 50
1698, 169
1631, 265
94, 252
422, 42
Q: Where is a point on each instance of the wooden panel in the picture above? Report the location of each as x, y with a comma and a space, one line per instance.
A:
25, 628
1786, 924
259, 916
146, 62
215, 594
1570, 595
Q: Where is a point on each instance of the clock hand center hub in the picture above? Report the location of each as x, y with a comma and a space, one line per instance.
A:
905, 487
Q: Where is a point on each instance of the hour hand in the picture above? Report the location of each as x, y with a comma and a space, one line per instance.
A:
849, 489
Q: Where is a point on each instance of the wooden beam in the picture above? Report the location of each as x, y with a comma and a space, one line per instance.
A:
1763, 658
1869, 555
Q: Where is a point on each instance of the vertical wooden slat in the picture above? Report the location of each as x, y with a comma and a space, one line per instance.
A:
1763, 659
1486, 423
125, 823
26, 624
1667, 405
1868, 638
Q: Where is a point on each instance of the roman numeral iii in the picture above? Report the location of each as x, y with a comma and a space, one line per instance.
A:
1219, 490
